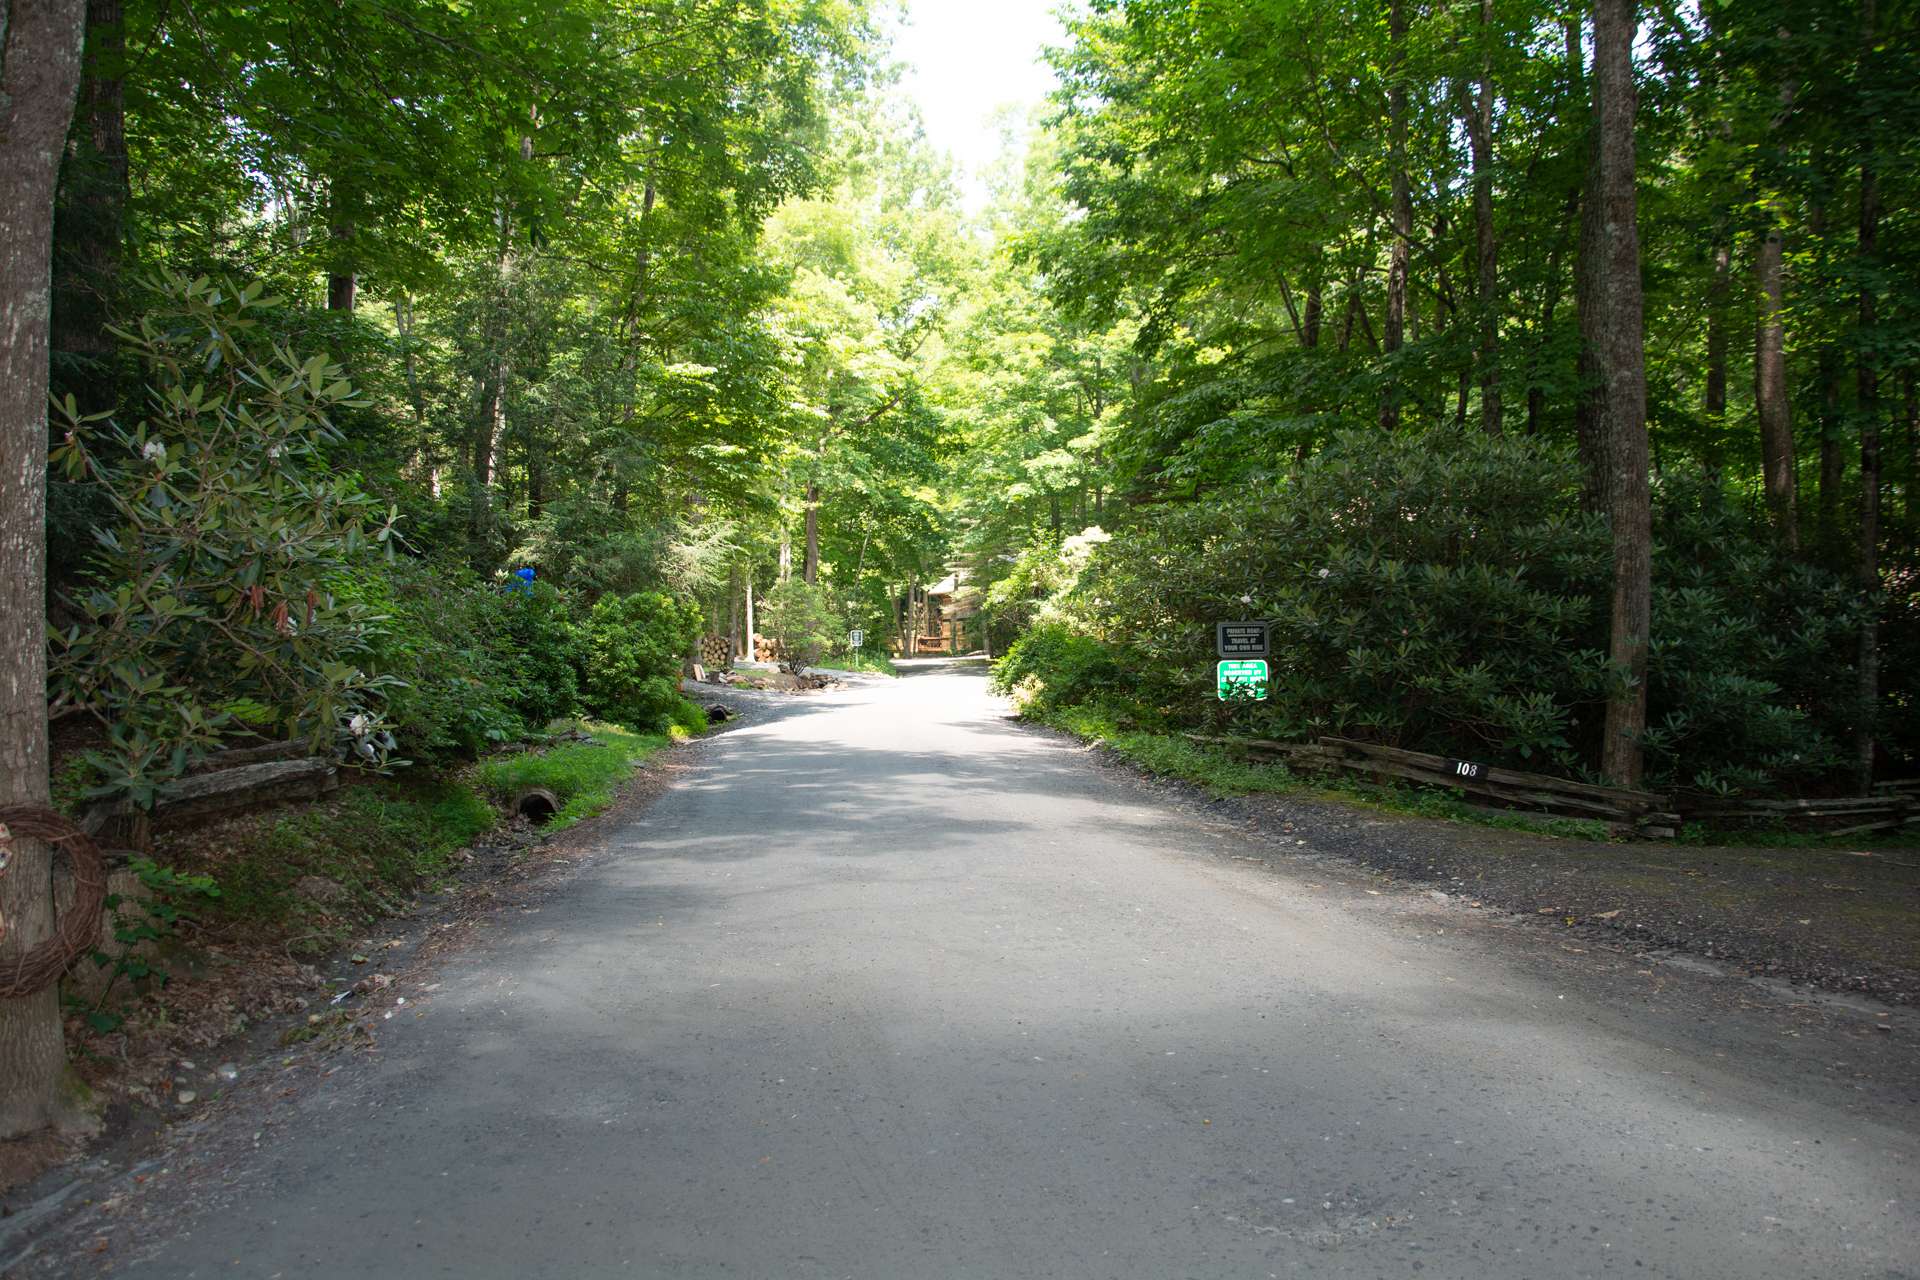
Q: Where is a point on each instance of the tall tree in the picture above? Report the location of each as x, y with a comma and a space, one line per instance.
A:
1400, 252
90, 217
1771, 396
1611, 330
1868, 391
40, 44
1479, 121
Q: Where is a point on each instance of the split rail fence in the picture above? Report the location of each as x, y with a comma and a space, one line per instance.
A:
1645, 814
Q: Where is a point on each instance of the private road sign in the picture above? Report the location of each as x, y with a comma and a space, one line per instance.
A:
1240, 639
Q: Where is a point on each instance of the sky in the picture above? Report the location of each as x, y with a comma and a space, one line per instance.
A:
964, 59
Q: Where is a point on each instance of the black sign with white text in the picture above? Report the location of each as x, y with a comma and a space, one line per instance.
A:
1240, 639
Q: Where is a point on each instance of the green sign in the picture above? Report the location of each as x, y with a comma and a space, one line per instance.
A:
1242, 681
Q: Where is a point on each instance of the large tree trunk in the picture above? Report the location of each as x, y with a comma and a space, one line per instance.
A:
1868, 389
90, 219
1400, 258
343, 283
1770, 388
1612, 336
39, 71
1486, 242
343, 279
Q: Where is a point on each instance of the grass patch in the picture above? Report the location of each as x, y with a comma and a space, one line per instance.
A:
1223, 771
1170, 756
584, 776
875, 664
377, 841
1437, 802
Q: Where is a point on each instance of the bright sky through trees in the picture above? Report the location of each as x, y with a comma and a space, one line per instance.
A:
964, 60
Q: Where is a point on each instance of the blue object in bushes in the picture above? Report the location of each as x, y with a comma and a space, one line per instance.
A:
522, 581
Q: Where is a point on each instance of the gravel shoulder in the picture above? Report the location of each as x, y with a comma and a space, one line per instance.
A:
1841, 920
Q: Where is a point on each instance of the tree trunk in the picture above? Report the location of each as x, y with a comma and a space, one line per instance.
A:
1398, 261
1536, 394
39, 71
1913, 458
1719, 295
1770, 388
491, 413
343, 283
810, 565
1867, 376
343, 279
1612, 337
753, 647
403, 327
1486, 242
90, 219
733, 610
1315, 309
1833, 462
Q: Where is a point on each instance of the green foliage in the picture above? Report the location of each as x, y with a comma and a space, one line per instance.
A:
583, 775
377, 841
1053, 667
442, 644
801, 619
1167, 754
139, 926
1435, 592
209, 589
541, 653
635, 647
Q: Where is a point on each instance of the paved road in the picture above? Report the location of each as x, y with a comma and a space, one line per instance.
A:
888, 987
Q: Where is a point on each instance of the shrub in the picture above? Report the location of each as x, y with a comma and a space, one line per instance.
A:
1433, 592
801, 620
1052, 667
207, 588
634, 647
540, 650
445, 644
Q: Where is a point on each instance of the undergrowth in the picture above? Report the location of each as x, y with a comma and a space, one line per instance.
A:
583, 776
1222, 771
377, 841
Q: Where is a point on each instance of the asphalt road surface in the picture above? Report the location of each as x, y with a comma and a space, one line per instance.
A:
887, 986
